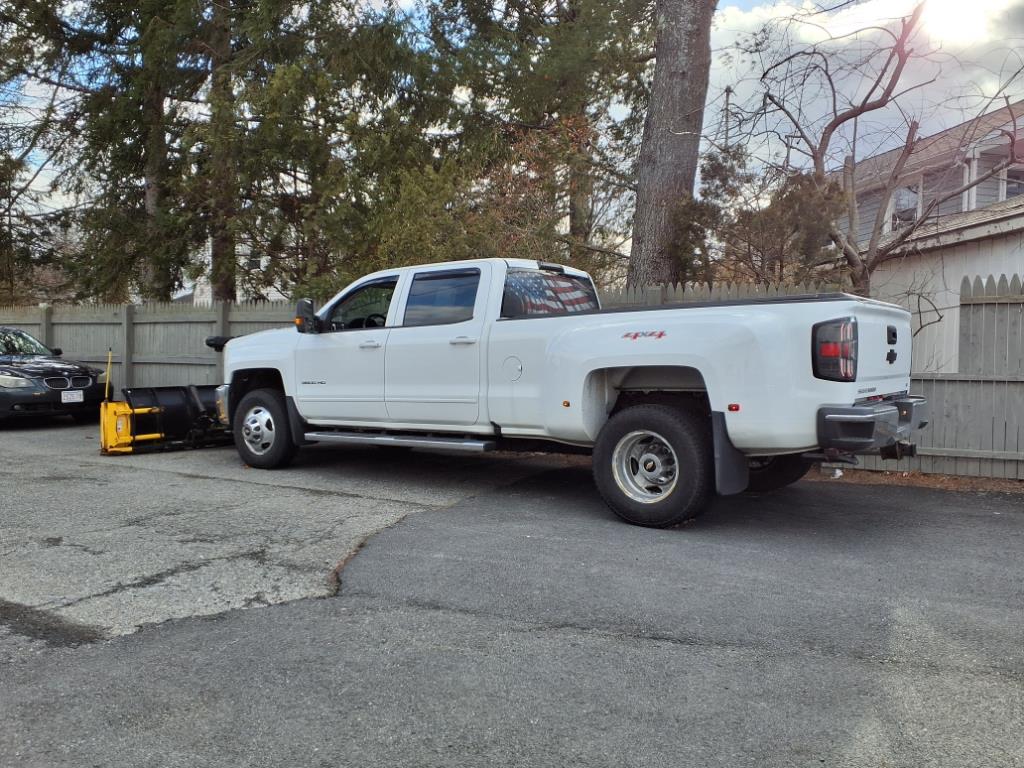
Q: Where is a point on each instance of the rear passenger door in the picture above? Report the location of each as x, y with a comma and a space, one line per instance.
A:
433, 355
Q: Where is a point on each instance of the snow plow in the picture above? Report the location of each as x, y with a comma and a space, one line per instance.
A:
161, 419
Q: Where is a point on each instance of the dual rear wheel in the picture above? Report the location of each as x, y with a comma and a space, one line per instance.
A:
654, 465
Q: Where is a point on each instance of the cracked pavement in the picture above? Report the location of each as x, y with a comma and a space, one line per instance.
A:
507, 618
100, 546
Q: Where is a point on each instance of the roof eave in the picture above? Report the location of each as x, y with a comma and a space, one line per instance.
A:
968, 232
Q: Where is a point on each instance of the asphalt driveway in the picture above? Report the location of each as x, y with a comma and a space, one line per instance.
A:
510, 619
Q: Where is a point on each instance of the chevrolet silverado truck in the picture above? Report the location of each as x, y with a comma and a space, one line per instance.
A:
675, 403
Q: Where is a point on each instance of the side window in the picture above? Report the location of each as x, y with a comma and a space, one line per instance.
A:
1014, 181
441, 298
533, 293
366, 307
906, 206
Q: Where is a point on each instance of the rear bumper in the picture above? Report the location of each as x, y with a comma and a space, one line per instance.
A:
871, 427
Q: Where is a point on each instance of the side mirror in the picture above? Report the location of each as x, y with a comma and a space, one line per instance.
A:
305, 317
56, 351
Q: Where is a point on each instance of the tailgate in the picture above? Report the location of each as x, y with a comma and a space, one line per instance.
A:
884, 343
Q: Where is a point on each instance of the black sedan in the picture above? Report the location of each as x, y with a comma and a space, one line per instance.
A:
35, 381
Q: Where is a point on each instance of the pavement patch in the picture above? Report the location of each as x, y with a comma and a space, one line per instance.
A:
54, 631
115, 543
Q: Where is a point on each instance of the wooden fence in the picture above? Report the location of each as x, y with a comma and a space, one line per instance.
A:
992, 327
686, 292
153, 344
977, 413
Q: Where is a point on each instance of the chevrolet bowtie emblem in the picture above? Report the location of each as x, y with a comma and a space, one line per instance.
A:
891, 357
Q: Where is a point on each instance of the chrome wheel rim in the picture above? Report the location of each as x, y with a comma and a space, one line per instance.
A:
645, 466
258, 430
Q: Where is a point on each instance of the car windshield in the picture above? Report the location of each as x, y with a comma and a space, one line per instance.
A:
14, 342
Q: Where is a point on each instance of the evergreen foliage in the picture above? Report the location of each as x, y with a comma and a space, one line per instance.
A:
280, 146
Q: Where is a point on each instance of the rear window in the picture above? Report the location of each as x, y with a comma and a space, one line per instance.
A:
536, 293
441, 298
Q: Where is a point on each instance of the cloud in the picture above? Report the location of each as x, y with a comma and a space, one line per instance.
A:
972, 55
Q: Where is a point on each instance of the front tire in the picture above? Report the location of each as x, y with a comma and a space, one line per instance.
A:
773, 472
653, 465
261, 432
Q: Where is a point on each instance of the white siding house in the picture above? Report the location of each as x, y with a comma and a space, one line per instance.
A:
979, 232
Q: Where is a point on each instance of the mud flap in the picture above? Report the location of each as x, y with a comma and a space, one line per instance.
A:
732, 470
296, 424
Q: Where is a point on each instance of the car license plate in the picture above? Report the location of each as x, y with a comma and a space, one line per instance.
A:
72, 396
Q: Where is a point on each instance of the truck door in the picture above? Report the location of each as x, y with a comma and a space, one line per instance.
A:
339, 372
432, 363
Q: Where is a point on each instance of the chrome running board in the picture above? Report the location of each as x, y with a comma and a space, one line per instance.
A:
469, 445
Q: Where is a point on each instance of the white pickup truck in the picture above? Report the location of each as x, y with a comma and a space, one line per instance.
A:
675, 402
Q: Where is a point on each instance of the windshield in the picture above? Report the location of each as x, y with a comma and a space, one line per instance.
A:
13, 342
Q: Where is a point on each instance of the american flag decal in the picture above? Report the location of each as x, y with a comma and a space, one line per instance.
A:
542, 293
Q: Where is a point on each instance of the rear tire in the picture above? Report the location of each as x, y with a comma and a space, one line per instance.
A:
261, 432
773, 472
653, 465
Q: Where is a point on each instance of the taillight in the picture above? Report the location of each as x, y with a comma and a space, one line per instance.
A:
834, 349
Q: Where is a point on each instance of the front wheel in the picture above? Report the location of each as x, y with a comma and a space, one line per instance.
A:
653, 465
261, 431
770, 473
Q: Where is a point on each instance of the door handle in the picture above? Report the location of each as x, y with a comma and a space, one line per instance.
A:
370, 345
462, 340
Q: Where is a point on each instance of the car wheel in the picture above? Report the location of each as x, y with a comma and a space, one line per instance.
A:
261, 432
770, 473
653, 465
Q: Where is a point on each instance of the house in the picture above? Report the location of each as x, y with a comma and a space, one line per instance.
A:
974, 228
200, 290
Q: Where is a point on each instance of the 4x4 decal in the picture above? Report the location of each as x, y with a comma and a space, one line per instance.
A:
634, 335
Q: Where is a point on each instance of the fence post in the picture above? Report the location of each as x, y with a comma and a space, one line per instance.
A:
46, 325
127, 344
221, 326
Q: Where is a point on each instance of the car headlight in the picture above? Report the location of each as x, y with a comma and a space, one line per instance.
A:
101, 377
14, 382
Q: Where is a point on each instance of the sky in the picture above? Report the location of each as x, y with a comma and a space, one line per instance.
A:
977, 51
977, 45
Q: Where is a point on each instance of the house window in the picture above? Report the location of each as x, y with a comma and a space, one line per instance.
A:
905, 206
1014, 182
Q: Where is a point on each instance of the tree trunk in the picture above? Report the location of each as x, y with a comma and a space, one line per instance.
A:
224, 179
157, 278
581, 201
671, 141
861, 279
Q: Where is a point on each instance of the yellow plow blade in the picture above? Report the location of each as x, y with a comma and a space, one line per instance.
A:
117, 427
